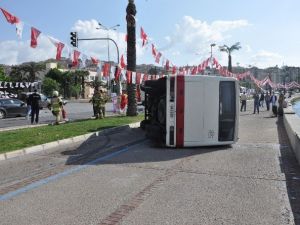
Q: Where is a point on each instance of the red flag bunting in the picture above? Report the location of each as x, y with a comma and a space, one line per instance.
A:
59, 49
122, 64
167, 65
128, 77
34, 36
94, 60
144, 37
106, 69
157, 58
9, 17
138, 78
117, 73
153, 50
76, 55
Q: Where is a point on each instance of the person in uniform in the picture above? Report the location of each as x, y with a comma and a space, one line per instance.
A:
34, 100
56, 106
103, 99
96, 103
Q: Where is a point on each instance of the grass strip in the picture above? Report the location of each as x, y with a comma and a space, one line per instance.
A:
27, 137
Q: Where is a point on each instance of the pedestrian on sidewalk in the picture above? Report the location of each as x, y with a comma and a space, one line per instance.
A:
256, 103
262, 99
35, 100
267, 99
280, 104
273, 101
243, 101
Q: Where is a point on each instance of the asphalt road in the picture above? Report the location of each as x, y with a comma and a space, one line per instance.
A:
121, 178
74, 111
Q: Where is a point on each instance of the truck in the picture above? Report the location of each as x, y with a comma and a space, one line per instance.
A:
191, 110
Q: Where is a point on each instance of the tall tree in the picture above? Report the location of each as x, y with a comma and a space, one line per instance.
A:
229, 50
131, 56
81, 75
3, 77
32, 69
17, 75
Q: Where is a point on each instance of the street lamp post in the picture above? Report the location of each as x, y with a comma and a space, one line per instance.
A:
108, 29
108, 57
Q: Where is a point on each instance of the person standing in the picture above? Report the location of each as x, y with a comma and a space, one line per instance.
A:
103, 100
273, 100
28, 108
262, 99
256, 103
267, 99
243, 101
56, 106
280, 104
34, 100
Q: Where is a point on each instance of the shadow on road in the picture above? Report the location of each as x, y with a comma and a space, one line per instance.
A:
142, 150
291, 169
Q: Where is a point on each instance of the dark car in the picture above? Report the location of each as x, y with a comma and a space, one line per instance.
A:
11, 107
43, 103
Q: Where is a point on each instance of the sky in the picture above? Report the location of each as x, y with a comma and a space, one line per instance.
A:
182, 31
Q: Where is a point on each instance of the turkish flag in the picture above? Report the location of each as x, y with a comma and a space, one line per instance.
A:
34, 36
122, 64
76, 55
9, 17
128, 77
59, 47
144, 37
174, 70
157, 58
106, 69
117, 73
94, 60
153, 50
167, 65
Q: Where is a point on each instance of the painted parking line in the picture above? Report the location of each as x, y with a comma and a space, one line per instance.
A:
65, 173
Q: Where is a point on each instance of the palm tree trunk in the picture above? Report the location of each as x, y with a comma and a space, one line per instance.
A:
131, 57
229, 63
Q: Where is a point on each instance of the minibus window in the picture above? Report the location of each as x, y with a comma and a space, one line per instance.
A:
227, 110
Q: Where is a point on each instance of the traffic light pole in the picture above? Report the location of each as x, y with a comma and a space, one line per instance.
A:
107, 39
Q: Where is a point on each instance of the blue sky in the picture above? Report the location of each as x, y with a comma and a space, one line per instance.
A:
182, 30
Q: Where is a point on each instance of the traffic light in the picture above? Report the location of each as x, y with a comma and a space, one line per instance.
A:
74, 39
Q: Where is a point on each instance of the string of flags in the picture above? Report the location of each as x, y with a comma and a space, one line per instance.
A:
119, 72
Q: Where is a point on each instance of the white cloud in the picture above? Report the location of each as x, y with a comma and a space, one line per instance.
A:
265, 58
196, 35
16, 52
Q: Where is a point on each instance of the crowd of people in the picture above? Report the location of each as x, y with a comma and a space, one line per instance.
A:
262, 99
56, 106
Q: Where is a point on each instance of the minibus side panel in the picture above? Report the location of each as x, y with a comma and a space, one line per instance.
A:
194, 109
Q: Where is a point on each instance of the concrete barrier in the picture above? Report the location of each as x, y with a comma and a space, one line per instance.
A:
292, 126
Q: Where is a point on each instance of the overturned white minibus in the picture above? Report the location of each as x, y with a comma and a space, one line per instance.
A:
195, 110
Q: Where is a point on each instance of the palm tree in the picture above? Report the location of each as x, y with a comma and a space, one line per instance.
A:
17, 75
131, 57
32, 69
230, 49
82, 75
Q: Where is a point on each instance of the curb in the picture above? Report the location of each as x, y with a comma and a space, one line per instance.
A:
292, 125
63, 142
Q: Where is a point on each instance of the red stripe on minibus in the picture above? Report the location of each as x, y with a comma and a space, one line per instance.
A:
180, 112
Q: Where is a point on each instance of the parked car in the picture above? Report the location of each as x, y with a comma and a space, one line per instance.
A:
44, 100
12, 107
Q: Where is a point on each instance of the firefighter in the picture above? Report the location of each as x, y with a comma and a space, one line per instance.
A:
56, 106
103, 99
96, 103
